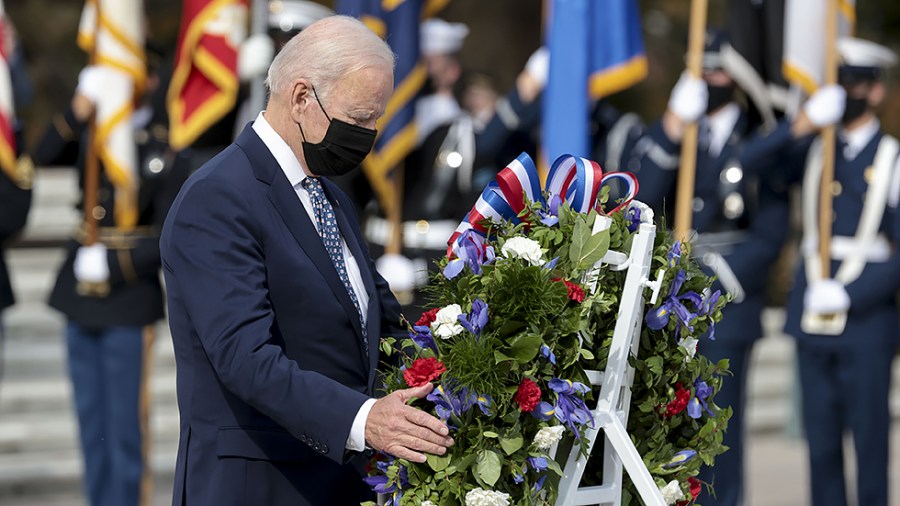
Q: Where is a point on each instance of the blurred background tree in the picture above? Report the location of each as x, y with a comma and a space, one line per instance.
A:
503, 34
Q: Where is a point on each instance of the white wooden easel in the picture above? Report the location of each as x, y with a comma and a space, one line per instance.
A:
613, 403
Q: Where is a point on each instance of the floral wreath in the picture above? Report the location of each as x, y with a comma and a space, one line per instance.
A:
511, 335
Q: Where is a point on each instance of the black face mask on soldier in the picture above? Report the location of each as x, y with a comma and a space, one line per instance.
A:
855, 107
718, 96
342, 149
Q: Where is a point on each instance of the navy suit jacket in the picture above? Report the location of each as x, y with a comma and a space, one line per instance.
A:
271, 370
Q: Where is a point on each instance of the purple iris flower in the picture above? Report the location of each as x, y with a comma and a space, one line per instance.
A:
698, 404
477, 319
548, 354
634, 218
518, 478
451, 400
658, 317
570, 408
680, 458
539, 464
472, 252
539, 484
379, 483
551, 216
551, 264
421, 335
709, 303
543, 411
484, 403
674, 256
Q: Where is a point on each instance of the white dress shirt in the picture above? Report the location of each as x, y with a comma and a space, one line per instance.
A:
295, 174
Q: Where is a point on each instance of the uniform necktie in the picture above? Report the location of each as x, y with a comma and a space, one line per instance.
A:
331, 238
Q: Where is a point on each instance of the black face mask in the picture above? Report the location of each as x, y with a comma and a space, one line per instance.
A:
342, 149
718, 96
855, 108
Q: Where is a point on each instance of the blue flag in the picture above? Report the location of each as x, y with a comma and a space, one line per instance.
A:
397, 22
596, 49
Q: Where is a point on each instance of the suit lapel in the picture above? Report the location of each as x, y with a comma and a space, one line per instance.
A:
373, 316
295, 217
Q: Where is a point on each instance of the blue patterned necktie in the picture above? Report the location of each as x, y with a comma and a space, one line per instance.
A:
331, 238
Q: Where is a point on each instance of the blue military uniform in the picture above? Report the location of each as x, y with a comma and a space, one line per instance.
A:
741, 222
109, 332
845, 378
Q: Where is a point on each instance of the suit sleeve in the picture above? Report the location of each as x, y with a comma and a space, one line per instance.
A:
776, 153
212, 251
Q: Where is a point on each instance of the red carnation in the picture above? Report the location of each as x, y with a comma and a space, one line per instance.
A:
423, 371
528, 395
574, 291
695, 485
427, 317
680, 402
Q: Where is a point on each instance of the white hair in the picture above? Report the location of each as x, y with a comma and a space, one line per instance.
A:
326, 51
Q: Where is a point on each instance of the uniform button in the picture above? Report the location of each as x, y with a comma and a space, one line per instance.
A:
98, 213
869, 174
324, 448
698, 204
836, 188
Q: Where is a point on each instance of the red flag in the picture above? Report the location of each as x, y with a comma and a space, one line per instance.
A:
204, 83
7, 113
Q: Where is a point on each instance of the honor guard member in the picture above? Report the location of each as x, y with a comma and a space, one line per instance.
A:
740, 222
846, 325
17, 177
111, 296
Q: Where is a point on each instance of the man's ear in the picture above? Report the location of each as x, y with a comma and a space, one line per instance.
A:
301, 94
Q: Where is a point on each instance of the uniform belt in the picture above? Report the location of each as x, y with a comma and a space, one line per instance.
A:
421, 234
843, 247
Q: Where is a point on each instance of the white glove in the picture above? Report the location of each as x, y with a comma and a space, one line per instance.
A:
538, 65
826, 296
254, 56
826, 106
398, 271
91, 264
94, 81
689, 98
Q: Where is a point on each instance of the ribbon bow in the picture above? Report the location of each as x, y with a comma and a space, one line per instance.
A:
577, 180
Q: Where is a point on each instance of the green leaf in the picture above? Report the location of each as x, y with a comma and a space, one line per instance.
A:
586, 249
490, 434
488, 467
586, 354
511, 443
437, 463
524, 347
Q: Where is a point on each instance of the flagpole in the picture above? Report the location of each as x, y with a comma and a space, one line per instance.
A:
828, 144
687, 172
395, 214
91, 186
259, 22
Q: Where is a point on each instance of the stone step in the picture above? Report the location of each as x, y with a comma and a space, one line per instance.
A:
43, 473
53, 215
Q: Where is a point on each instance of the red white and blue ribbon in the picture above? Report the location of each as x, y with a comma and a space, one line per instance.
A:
576, 180
631, 187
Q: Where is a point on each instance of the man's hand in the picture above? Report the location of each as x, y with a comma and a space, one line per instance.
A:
404, 431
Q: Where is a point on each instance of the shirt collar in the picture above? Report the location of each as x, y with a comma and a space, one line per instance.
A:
721, 126
283, 153
858, 138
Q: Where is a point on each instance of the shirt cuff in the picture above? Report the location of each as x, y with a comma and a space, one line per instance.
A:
356, 442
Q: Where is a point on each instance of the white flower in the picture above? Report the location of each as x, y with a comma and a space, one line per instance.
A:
690, 347
545, 437
524, 248
446, 322
480, 497
672, 492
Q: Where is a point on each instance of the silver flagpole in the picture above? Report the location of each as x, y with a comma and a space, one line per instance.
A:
259, 17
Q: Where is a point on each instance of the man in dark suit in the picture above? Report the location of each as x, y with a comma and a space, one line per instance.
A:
276, 309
